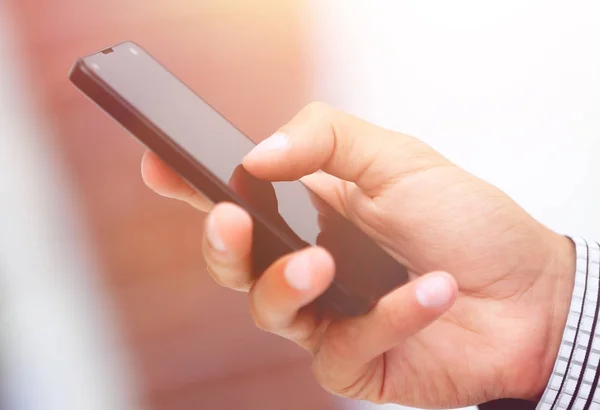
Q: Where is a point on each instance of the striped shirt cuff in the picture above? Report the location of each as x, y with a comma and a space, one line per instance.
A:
573, 384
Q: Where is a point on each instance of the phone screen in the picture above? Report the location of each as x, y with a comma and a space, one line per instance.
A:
363, 269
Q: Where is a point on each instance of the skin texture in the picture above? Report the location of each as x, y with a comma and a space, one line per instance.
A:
481, 318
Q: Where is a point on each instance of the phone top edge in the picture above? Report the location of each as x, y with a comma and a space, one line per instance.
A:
114, 45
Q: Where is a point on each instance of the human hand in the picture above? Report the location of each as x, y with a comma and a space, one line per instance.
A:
490, 328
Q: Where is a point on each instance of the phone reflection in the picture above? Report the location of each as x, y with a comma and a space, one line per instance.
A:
364, 271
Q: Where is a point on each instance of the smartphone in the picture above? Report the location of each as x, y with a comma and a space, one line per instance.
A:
206, 150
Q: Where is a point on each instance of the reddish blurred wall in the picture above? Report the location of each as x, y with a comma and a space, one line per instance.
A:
193, 344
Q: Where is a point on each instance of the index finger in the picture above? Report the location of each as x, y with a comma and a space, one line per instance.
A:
321, 137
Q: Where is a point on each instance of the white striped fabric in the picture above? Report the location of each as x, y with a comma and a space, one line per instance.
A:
574, 381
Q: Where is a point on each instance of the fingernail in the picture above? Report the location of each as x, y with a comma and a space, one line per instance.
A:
275, 142
435, 291
212, 235
298, 273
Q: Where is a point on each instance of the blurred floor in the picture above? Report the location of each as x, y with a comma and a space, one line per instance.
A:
193, 344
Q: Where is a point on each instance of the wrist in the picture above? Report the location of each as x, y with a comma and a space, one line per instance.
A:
558, 280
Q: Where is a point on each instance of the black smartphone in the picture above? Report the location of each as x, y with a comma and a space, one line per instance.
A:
206, 150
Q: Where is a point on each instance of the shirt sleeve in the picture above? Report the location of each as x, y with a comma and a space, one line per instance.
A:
573, 384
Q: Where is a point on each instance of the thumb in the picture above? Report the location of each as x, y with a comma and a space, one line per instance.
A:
321, 137
350, 347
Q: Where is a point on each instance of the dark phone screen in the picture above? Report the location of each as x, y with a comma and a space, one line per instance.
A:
363, 269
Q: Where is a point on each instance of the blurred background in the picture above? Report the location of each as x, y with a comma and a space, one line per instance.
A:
104, 300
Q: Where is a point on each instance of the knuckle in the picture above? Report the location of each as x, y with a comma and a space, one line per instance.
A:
261, 322
214, 264
228, 277
319, 110
198, 201
340, 349
261, 313
393, 316
339, 345
323, 376
213, 274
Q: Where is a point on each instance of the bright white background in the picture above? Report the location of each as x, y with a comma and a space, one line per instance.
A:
509, 90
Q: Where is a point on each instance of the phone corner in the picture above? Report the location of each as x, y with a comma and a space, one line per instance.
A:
79, 73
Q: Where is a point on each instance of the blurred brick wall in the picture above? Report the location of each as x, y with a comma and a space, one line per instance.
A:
193, 343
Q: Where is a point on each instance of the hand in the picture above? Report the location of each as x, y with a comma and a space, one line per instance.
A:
483, 316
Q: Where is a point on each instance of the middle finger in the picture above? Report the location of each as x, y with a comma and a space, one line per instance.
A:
227, 246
